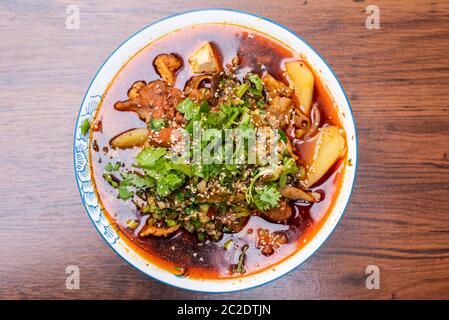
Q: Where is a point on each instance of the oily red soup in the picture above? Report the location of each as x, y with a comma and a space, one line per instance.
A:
261, 219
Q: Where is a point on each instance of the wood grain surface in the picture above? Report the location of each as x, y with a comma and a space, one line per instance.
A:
397, 79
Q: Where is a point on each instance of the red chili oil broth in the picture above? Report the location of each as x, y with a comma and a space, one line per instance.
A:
210, 259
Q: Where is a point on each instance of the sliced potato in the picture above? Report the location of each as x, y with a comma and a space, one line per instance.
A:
131, 138
204, 60
303, 81
329, 147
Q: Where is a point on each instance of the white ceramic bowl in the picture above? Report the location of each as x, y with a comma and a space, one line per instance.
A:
112, 66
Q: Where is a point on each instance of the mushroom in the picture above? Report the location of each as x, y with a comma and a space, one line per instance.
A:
198, 88
293, 193
154, 100
167, 65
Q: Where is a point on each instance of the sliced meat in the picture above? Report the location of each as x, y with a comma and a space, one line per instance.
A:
276, 87
279, 111
160, 138
281, 213
167, 65
155, 100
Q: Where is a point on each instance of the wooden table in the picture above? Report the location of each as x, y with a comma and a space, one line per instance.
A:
397, 79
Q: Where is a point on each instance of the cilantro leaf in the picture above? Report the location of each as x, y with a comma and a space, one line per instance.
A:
168, 183
205, 107
160, 167
108, 167
183, 168
188, 108
123, 190
240, 91
149, 156
267, 197
215, 119
157, 124
138, 181
124, 193
289, 167
255, 79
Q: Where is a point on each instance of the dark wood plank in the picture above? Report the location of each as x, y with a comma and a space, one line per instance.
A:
396, 77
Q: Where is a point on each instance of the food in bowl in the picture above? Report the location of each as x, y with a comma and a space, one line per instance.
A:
217, 152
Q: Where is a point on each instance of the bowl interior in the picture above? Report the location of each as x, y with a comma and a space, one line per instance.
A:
112, 66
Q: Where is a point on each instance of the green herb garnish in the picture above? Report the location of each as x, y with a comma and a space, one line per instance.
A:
267, 197
242, 89
240, 267
282, 136
227, 244
109, 167
110, 180
125, 194
157, 124
170, 223
256, 80
289, 167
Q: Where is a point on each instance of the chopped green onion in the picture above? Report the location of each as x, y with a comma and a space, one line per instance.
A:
196, 223
255, 79
240, 268
170, 223
204, 208
283, 136
227, 244
255, 92
117, 166
242, 89
201, 236
232, 118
